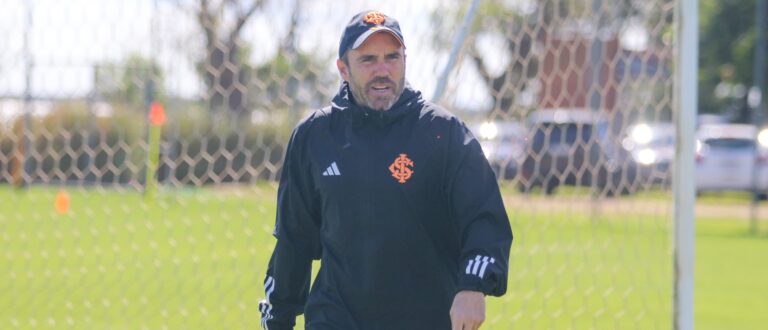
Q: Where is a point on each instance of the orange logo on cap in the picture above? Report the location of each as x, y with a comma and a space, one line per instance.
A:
401, 168
375, 18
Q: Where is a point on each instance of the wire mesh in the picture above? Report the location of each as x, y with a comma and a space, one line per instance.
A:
141, 141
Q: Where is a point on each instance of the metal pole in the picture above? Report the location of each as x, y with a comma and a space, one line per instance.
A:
595, 66
686, 89
755, 101
150, 132
466, 25
20, 169
596, 59
761, 24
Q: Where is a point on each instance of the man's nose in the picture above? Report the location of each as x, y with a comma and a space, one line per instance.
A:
381, 69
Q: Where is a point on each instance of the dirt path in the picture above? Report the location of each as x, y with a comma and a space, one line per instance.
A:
618, 206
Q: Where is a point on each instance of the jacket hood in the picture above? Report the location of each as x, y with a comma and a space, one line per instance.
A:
409, 100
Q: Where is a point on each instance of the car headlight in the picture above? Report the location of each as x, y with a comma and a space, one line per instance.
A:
488, 131
762, 138
646, 157
642, 134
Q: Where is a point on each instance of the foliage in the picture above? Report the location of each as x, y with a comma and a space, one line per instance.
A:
293, 81
515, 28
287, 81
71, 144
224, 65
726, 55
8, 145
133, 82
201, 147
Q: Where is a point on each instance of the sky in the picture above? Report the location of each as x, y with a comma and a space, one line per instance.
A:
67, 38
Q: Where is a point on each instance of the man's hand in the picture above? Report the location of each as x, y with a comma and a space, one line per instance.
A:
468, 310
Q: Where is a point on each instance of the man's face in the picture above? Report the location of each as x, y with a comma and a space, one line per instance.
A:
376, 71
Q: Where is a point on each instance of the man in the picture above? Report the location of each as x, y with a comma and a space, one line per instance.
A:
393, 195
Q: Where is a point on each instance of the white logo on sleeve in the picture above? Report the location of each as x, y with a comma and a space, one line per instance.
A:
265, 306
332, 170
478, 265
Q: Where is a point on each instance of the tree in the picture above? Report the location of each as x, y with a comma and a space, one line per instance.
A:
517, 36
726, 52
234, 84
516, 27
224, 67
293, 81
134, 82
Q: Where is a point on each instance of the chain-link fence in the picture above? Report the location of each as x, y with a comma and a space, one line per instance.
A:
140, 143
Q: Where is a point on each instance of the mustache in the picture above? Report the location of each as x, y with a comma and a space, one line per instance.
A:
380, 80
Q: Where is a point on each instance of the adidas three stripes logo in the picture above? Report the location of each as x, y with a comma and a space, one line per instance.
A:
478, 265
332, 170
265, 306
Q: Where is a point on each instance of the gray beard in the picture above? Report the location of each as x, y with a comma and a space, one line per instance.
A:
358, 97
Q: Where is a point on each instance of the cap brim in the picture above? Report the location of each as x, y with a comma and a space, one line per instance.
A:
363, 37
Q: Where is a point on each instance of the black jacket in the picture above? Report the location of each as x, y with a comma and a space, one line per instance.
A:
402, 209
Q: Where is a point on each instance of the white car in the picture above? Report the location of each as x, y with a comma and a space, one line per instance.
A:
652, 146
730, 158
503, 143
574, 146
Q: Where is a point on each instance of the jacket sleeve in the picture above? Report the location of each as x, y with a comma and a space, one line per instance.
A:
478, 209
286, 285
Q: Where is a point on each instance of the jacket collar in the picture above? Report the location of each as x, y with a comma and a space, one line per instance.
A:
409, 100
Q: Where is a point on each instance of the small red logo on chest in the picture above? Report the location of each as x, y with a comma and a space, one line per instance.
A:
402, 168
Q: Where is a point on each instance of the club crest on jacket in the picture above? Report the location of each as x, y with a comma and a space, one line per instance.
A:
402, 168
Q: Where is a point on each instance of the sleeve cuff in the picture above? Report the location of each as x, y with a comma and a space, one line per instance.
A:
472, 283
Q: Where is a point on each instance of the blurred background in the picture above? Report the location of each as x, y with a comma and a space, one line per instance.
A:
141, 142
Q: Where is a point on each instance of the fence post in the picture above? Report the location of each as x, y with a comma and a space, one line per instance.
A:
757, 103
466, 25
19, 162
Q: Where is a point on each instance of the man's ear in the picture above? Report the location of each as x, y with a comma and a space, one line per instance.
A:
343, 69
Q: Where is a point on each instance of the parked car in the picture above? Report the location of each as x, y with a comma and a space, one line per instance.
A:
574, 147
503, 144
730, 158
652, 147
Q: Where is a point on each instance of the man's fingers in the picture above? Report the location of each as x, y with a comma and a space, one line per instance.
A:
465, 325
455, 323
467, 311
465, 322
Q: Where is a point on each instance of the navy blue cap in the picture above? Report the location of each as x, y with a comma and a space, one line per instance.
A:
365, 24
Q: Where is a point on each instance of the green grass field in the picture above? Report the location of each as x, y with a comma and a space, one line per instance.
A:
195, 259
